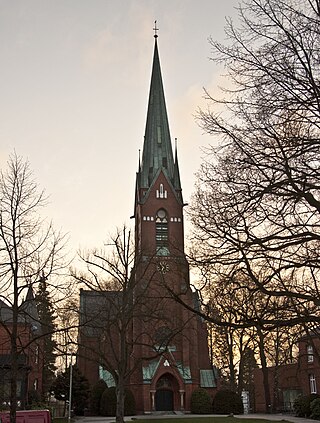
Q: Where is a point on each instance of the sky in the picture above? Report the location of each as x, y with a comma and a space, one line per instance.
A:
74, 88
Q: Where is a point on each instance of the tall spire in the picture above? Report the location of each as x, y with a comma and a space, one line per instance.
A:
157, 149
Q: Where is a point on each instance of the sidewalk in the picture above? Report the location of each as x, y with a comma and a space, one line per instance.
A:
271, 417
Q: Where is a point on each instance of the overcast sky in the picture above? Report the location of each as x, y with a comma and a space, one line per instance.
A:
74, 87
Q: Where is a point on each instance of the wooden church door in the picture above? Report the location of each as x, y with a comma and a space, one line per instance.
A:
164, 394
164, 400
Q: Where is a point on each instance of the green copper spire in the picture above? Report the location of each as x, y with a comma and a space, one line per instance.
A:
157, 149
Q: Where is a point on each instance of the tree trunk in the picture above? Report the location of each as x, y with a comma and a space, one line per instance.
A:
120, 401
14, 350
241, 366
229, 336
276, 373
13, 379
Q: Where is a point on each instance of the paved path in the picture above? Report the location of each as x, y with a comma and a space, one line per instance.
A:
278, 417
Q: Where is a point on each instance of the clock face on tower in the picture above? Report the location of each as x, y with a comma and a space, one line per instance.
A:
163, 267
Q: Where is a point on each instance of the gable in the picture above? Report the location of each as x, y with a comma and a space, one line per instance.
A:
161, 177
96, 308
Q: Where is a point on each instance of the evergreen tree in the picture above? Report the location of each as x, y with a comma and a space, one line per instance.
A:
47, 320
80, 389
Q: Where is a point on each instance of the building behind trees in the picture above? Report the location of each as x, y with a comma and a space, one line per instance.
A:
168, 343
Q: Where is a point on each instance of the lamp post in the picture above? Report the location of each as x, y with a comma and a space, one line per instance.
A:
70, 390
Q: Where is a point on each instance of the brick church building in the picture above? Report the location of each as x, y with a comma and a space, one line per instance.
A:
171, 358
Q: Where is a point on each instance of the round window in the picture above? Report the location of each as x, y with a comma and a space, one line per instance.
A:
161, 213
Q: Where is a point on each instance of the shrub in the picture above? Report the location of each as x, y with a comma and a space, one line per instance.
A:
201, 402
108, 403
315, 409
34, 398
95, 396
302, 405
129, 404
227, 402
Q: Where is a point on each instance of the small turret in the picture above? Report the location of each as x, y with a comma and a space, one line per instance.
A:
30, 312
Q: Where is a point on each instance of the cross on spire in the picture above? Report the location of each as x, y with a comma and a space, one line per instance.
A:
155, 29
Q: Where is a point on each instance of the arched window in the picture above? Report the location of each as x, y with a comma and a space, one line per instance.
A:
162, 233
313, 384
310, 353
164, 383
161, 192
162, 337
36, 354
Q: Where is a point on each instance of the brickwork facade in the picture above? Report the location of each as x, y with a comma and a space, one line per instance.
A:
288, 381
30, 358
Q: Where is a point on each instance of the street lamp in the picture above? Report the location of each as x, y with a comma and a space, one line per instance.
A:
70, 390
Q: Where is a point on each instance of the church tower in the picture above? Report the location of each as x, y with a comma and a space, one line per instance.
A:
158, 180
179, 362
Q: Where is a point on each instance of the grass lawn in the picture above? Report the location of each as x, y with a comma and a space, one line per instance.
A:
206, 420
190, 420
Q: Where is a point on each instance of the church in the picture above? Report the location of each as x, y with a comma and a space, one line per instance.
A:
169, 354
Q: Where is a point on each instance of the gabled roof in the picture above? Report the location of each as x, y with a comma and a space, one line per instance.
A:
208, 378
157, 149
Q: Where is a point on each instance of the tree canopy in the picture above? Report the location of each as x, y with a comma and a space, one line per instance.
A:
29, 248
257, 202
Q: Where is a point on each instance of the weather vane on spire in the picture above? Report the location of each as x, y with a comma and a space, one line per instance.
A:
155, 29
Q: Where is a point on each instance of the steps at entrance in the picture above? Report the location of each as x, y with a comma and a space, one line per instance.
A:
163, 413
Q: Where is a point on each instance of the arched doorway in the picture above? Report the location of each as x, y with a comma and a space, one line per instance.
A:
164, 398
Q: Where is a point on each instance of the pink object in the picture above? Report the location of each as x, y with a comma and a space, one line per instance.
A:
28, 416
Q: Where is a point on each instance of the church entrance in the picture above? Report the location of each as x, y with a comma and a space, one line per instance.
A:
164, 398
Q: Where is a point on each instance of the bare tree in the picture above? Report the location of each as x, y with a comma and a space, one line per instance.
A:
29, 249
237, 314
256, 207
116, 311
227, 343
